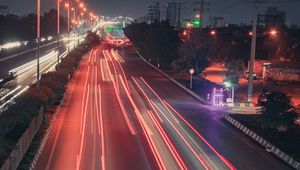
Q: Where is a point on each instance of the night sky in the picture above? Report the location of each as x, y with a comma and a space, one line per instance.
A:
234, 11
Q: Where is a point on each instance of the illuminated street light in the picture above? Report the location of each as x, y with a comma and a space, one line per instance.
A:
81, 5
273, 32
213, 32
192, 71
67, 5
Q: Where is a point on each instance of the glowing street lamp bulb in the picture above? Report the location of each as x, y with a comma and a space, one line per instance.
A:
250, 33
192, 71
273, 32
213, 32
67, 5
81, 5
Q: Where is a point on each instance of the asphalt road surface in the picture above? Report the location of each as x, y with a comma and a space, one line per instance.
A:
121, 114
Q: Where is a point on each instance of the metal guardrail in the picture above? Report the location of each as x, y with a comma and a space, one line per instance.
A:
260, 140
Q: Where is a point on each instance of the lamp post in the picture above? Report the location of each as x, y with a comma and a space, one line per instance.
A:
192, 71
252, 57
67, 5
38, 36
253, 52
58, 30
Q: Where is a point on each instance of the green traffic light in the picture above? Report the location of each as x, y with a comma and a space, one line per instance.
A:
197, 23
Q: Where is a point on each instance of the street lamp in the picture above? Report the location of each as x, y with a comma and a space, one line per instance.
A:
58, 30
213, 32
252, 58
38, 36
192, 71
67, 5
254, 35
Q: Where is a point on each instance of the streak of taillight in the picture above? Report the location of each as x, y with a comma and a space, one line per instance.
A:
84, 98
199, 135
83, 132
168, 142
203, 162
149, 139
146, 96
120, 102
97, 105
202, 138
102, 131
115, 70
123, 72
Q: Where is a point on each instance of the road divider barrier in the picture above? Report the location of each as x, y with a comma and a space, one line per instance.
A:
263, 142
16, 155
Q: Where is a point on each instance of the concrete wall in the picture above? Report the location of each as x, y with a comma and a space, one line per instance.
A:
16, 156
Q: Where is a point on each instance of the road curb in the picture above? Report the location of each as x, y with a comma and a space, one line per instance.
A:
193, 94
47, 134
263, 142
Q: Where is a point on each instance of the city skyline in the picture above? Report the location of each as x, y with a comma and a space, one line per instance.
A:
234, 11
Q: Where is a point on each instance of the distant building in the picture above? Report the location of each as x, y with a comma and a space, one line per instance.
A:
153, 13
3, 10
171, 13
218, 22
272, 17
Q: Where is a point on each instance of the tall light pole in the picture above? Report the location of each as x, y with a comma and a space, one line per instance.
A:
192, 71
58, 30
38, 36
68, 8
252, 57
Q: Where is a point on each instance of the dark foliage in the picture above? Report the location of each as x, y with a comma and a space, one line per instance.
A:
158, 41
23, 28
276, 110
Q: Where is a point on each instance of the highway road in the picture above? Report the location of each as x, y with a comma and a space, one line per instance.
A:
111, 120
121, 114
92, 130
24, 68
204, 124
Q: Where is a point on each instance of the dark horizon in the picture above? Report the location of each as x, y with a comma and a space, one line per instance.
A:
234, 11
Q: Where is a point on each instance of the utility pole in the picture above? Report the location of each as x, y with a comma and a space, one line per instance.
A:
253, 48
178, 17
253, 52
200, 8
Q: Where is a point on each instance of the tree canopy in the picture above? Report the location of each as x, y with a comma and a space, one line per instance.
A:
276, 110
158, 41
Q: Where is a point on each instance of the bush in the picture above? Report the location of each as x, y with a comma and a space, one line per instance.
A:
277, 110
